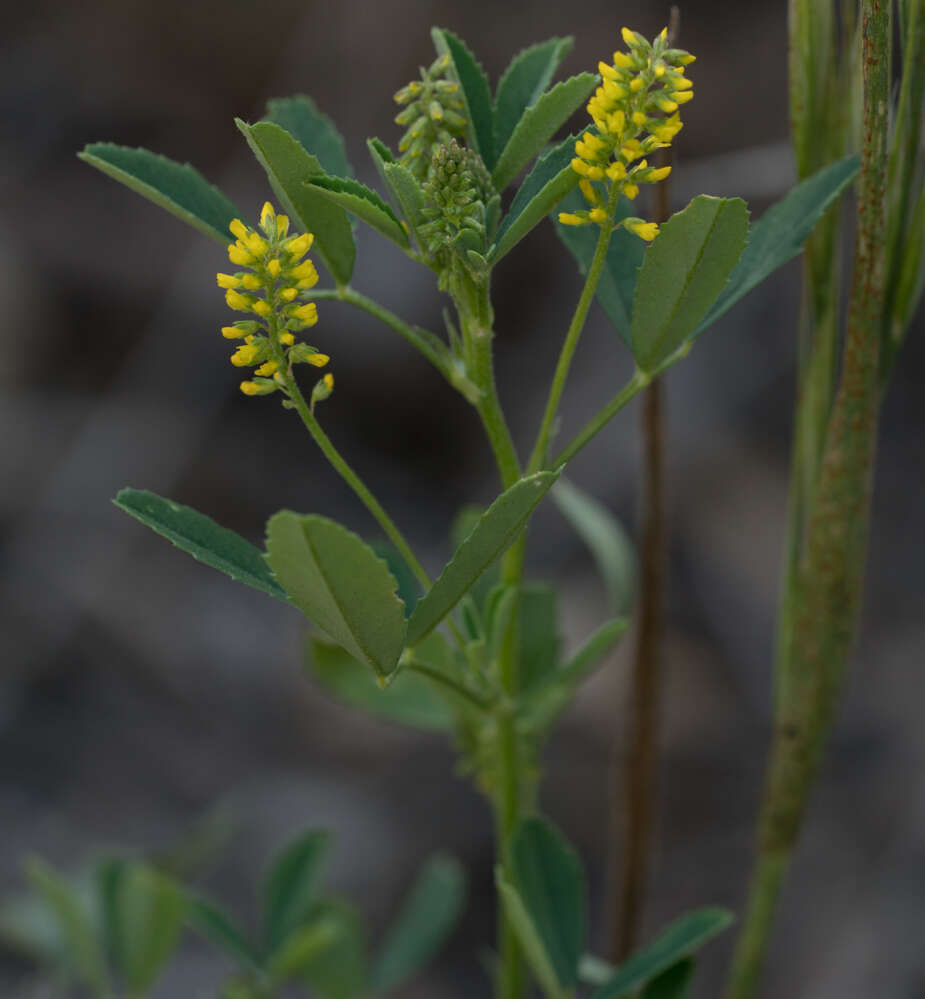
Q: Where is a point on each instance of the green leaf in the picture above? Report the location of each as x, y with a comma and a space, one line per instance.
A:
780, 234
292, 887
426, 919
314, 131
336, 580
538, 634
523, 82
409, 699
496, 529
681, 939
362, 202
683, 273
675, 983
529, 937
550, 180
219, 930
598, 644
146, 914
302, 950
199, 536
475, 92
539, 124
179, 188
402, 185
625, 254
606, 539
81, 942
548, 876
339, 971
288, 167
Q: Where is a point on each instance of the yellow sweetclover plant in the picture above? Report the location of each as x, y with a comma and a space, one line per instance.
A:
474, 654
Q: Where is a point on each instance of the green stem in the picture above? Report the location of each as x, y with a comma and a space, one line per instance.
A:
538, 456
827, 586
351, 478
445, 681
597, 422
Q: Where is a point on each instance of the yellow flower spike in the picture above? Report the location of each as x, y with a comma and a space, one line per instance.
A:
237, 301
267, 369
256, 244
598, 215
251, 282
288, 294
568, 218
307, 313
227, 281
286, 339
591, 196
298, 246
645, 230
262, 307
238, 229
237, 254
245, 355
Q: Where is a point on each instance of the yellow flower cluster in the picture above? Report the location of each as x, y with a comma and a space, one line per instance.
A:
276, 275
635, 111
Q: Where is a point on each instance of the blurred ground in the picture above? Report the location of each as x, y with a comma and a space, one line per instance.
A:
139, 690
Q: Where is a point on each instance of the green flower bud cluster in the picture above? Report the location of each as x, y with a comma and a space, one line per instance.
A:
460, 199
433, 113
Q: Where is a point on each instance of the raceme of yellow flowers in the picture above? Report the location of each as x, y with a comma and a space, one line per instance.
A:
635, 111
275, 277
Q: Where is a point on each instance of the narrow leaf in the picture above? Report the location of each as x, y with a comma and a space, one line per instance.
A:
598, 645
337, 581
538, 634
548, 877
496, 529
339, 971
77, 930
401, 183
674, 983
606, 539
529, 936
292, 887
476, 94
683, 273
218, 929
523, 82
550, 180
426, 919
780, 234
682, 938
149, 912
314, 131
625, 254
539, 124
199, 536
362, 202
179, 188
288, 167
302, 950
408, 700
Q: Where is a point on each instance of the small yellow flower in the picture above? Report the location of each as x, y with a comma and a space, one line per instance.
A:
237, 301
307, 313
237, 254
228, 281
569, 218
249, 388
245, 355
267, 369
645, 230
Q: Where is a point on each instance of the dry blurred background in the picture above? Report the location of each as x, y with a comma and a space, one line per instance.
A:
140, 692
